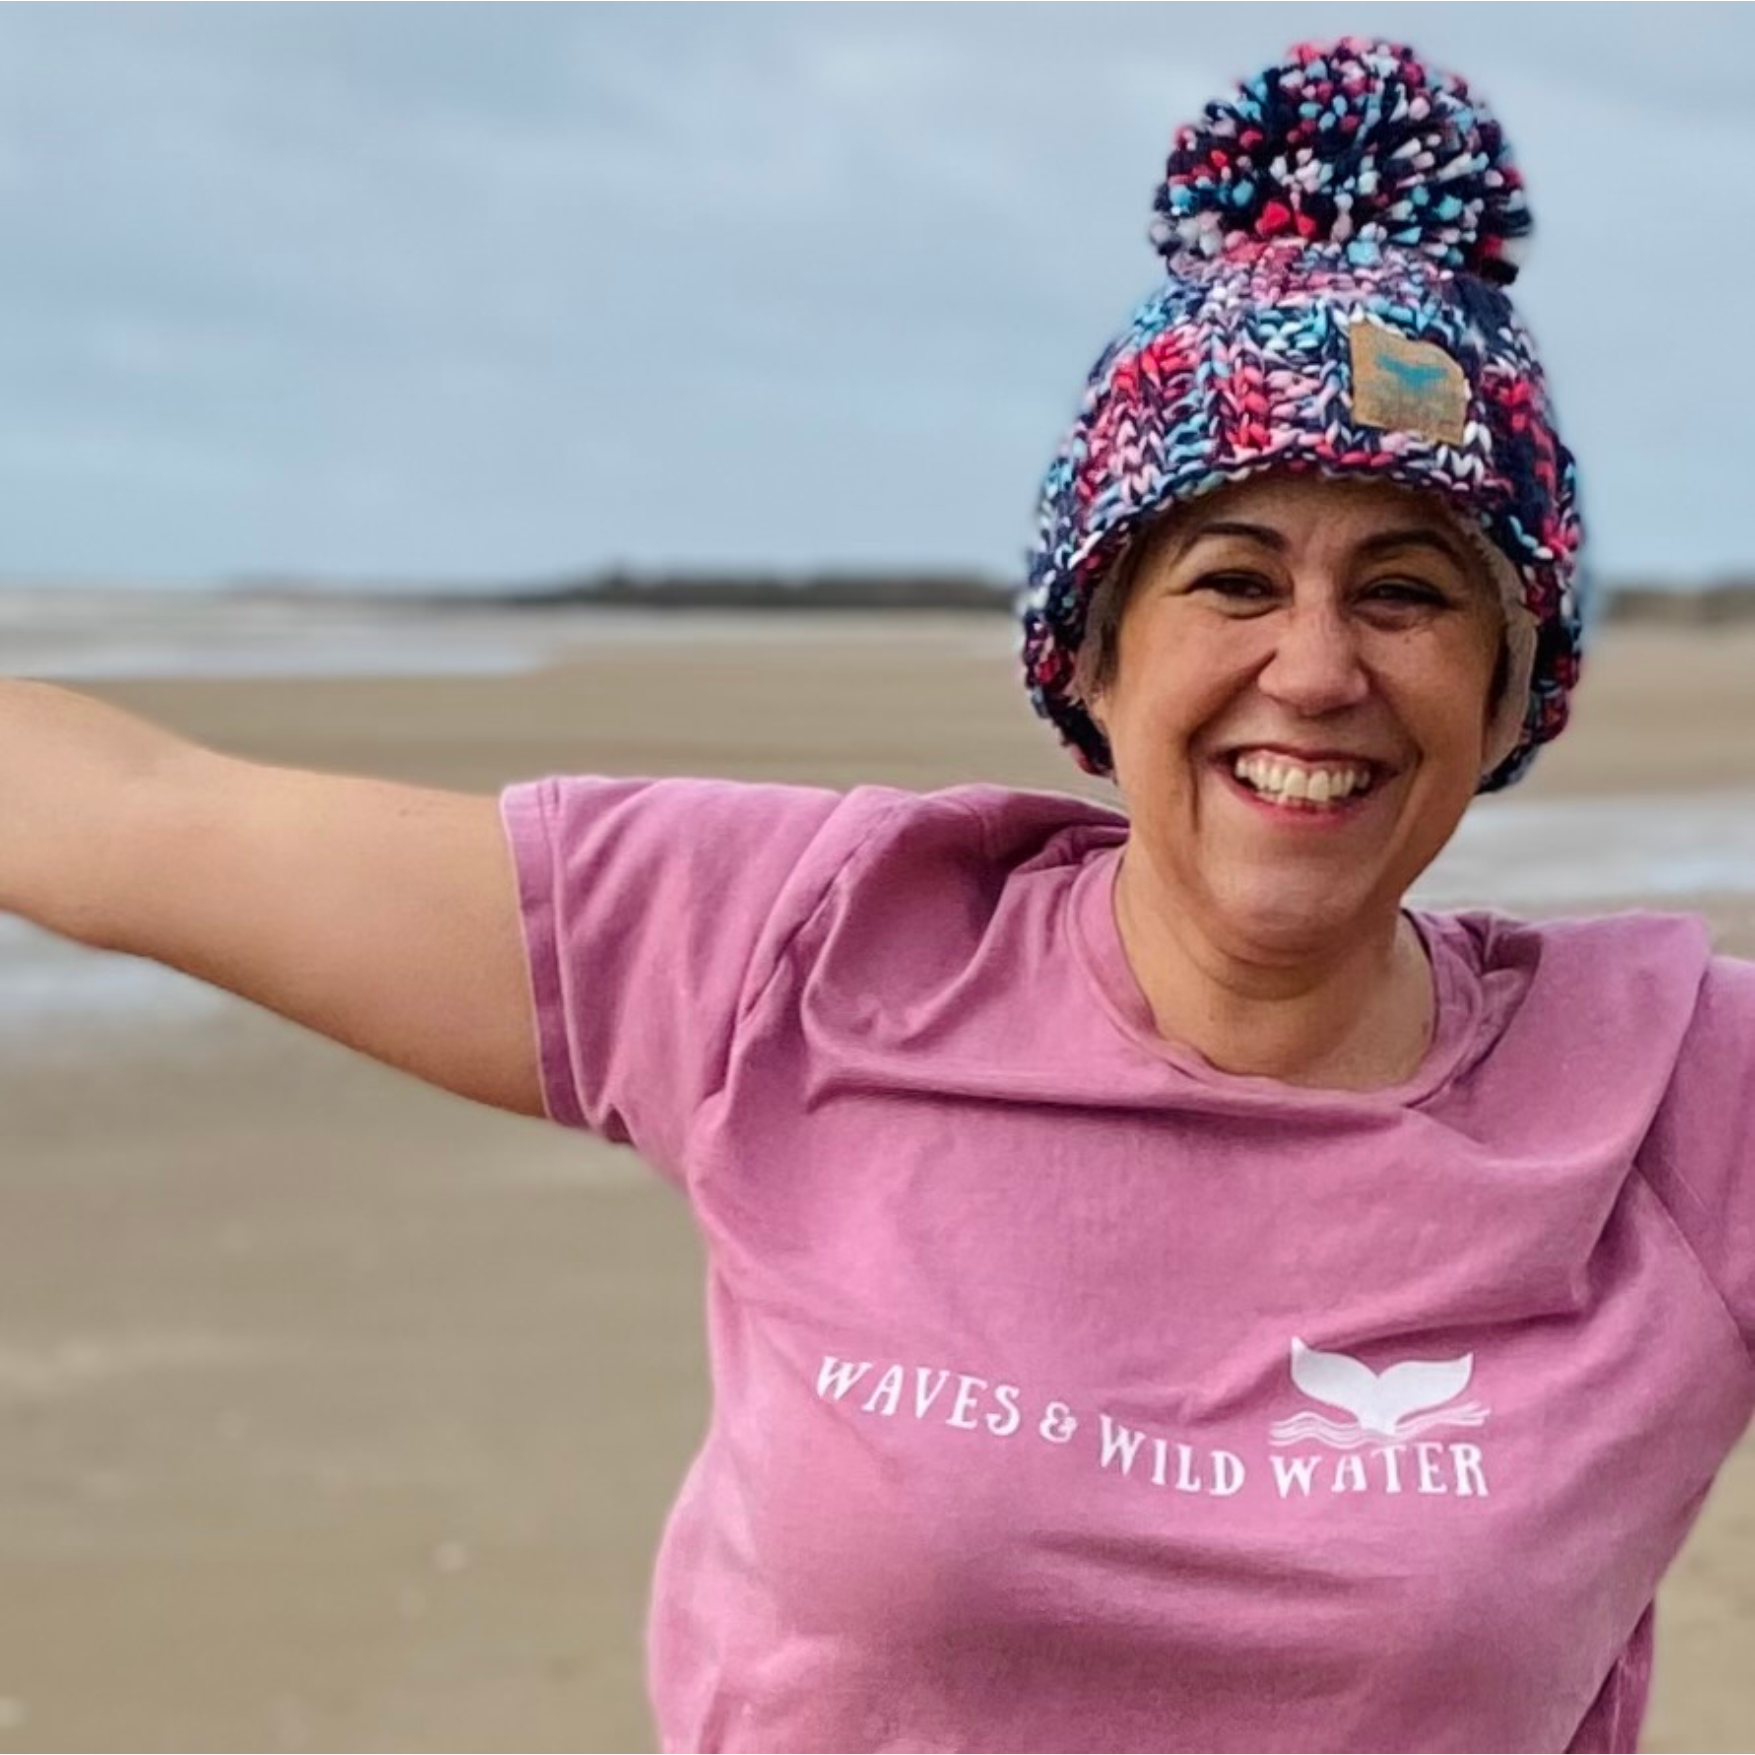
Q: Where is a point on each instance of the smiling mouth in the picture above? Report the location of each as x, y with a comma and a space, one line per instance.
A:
1304, 811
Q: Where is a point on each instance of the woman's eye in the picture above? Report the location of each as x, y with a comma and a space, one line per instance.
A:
1248, 588
1408, 592
1234, 585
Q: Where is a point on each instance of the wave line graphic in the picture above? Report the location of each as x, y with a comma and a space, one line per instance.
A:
1349, 1435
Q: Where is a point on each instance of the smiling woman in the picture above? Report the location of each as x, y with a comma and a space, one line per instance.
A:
1053, 1161
1149, 1264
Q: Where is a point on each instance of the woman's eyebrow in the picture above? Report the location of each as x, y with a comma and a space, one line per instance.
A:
1386, 541
1262, 533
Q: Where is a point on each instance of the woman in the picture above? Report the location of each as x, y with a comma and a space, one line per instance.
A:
1164, 1293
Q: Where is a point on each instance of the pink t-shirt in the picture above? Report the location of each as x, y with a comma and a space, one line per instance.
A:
1070, 1393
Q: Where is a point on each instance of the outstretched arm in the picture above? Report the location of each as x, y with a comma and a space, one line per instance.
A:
379, 914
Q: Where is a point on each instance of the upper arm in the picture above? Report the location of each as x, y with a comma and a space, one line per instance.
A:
382, 915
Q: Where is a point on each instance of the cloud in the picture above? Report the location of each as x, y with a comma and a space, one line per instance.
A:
480, 293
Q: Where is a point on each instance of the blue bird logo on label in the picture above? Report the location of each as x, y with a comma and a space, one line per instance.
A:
1406, 386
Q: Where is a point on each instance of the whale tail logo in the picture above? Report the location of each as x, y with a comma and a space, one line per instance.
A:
1386, 1406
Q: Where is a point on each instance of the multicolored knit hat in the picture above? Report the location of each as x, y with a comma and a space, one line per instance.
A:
1338, 236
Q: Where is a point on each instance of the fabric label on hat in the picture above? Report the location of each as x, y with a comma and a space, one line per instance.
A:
1406, 386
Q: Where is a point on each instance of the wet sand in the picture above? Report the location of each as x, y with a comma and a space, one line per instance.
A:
338, 1412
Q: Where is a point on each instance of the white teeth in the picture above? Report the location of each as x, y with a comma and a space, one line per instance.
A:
1284, 780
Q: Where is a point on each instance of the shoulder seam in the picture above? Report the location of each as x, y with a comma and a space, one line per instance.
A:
783, 951
970, 809
1700, 1266
1645, 1176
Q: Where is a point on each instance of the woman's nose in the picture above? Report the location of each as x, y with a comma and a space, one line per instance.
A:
1316, 665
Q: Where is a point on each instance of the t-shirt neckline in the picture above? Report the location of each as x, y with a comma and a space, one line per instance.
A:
1097, 942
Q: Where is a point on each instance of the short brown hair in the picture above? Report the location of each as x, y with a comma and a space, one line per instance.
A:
1100, 644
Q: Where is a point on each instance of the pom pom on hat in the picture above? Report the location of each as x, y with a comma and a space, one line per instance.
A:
1354, 142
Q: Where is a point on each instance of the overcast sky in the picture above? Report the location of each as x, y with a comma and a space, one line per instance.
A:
501, 292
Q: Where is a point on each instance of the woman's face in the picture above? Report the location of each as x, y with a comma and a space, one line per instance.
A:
1315, 625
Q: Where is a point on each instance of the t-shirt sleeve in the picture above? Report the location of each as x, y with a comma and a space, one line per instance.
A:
1700, 1154
652, 911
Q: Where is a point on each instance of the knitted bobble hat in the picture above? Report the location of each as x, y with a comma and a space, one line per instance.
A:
1338, 235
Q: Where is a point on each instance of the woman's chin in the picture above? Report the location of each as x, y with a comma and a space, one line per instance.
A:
1292, 916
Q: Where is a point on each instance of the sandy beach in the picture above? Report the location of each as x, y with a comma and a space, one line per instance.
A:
339, 1413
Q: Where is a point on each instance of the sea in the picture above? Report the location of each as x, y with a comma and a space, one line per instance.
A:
1544, 856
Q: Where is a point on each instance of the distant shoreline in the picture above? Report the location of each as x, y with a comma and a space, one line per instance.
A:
1679, 606
1722, 603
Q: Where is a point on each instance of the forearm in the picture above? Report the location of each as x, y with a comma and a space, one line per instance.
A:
74, 773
